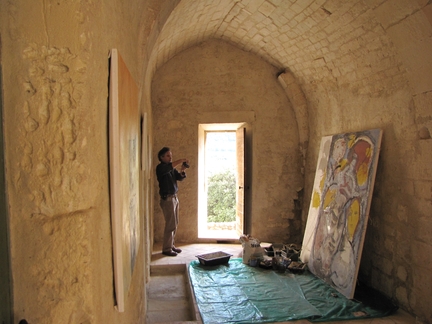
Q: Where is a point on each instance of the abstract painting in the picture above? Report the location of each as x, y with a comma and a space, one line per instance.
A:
339, 208
124, 147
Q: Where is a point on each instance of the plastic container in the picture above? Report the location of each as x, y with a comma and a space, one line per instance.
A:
214, 258
253, 262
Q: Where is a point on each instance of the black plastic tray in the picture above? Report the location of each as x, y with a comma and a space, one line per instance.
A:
269, 251
214, 258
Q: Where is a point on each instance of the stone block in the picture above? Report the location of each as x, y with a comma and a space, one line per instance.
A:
421, 255
400, 9
412, 37
424, 228
402, 295
402, 273
266, 8
385, 265
421, 293
402, 213
423, 190
423, 207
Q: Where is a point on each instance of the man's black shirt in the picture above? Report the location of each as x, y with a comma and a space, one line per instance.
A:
168, 177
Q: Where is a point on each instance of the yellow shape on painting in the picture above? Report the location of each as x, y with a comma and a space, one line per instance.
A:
351, 140
329, 197
316, 199
362, 174
353, 218
343, 164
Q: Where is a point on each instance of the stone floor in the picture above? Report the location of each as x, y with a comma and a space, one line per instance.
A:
169, 293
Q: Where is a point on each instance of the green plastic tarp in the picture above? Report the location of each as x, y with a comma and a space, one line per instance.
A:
237, 293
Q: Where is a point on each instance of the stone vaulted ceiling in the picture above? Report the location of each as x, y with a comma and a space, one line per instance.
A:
314, 39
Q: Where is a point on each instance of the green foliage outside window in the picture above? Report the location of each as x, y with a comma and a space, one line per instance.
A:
221, 197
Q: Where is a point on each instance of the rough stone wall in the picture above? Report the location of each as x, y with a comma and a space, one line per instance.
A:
383, 84
217, 78
55, 76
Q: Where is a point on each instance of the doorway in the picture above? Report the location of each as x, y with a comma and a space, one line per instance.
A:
221, 181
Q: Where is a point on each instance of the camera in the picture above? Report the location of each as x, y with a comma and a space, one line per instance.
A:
185, 165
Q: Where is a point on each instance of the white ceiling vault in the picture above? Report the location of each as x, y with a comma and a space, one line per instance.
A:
314, 39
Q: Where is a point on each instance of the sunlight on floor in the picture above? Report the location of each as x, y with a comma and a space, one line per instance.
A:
219, 234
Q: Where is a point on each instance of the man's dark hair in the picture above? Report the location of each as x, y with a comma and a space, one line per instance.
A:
162, 152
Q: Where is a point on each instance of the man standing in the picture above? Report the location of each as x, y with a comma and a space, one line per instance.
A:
168, 176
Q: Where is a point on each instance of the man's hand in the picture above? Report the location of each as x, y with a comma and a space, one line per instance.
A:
178, 162
185, 165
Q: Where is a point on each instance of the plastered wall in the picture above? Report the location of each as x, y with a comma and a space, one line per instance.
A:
56, 59
216, 82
